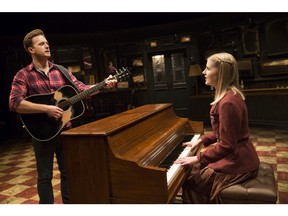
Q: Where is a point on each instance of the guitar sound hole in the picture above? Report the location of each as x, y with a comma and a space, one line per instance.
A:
64, 104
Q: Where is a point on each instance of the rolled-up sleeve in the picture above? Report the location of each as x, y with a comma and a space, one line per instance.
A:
18, 91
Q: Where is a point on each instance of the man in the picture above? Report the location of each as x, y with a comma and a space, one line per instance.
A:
44, 77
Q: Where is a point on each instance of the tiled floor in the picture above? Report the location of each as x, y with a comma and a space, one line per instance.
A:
18, 175
272, 147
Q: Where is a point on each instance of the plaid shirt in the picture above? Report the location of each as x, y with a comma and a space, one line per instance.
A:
29, 81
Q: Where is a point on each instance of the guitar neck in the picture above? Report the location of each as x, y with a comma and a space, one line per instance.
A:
98, 87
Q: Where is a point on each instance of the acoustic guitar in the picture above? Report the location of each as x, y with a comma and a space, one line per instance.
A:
42, 127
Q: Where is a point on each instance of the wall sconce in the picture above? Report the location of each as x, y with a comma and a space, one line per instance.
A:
153, 44
185, 39
195, 71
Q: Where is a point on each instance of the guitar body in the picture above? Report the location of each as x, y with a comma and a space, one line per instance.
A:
42, 127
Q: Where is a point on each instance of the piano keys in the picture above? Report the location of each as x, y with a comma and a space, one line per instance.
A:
174, 154
120, 159
172, 169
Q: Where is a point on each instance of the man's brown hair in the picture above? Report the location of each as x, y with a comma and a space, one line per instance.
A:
27, 42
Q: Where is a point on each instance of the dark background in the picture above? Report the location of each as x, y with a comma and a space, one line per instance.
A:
72, 22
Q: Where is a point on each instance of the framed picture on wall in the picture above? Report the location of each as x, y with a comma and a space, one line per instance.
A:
250, 41
274, 67
276, 34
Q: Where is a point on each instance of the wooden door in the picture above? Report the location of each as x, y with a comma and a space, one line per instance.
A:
169, 80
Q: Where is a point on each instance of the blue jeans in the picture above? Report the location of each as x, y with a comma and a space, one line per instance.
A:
44, 154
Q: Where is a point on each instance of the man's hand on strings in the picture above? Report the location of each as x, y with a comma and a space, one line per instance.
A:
111, 82
54, 111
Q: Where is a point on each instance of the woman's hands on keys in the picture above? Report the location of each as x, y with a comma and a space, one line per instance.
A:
187, 160
193, 143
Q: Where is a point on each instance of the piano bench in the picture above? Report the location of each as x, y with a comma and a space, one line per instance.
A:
258, 190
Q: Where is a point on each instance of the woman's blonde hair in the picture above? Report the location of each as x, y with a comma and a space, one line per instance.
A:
228, 75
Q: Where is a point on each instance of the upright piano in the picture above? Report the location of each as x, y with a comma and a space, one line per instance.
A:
128, 157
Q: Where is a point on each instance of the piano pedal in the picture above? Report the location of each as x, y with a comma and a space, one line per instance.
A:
178, 198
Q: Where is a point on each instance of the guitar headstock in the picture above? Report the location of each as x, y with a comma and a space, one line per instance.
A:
122, 74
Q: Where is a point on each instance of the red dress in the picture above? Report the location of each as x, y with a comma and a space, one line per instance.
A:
231, 159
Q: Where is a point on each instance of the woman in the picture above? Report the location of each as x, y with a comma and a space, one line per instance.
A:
232, 158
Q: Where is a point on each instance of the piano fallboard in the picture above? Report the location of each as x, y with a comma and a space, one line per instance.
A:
117, 159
